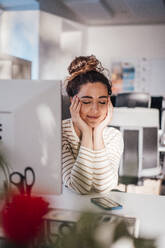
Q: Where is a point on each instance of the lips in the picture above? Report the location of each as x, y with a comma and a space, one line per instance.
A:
93, 117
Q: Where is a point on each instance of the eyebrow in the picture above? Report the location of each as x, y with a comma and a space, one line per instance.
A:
90, 97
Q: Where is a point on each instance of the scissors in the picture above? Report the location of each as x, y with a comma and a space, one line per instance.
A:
25, 181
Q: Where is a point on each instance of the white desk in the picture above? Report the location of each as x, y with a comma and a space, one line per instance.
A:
149, 209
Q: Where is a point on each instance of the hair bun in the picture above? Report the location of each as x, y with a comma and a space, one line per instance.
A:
82, 64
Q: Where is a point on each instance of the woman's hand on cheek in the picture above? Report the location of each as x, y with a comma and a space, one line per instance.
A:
107, 119
75, 114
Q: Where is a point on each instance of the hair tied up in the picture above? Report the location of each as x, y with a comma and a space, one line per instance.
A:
83, 64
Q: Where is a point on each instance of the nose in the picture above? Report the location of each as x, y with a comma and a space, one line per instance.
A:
95, 107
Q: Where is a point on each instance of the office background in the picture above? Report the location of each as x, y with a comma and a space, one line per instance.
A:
50, 35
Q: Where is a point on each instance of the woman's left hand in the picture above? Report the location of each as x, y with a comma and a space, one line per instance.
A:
107, 119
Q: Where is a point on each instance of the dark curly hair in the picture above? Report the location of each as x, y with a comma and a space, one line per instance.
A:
85, 69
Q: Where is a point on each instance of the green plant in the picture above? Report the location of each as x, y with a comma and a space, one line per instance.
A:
4, 171
89, 232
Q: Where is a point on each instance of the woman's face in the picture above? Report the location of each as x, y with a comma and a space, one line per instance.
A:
94, 103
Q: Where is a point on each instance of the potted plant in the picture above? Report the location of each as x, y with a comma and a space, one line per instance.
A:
4, 175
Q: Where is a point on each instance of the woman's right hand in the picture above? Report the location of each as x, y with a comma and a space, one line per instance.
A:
75, 114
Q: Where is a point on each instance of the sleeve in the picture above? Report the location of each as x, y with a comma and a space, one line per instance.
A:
106, 164
77, 172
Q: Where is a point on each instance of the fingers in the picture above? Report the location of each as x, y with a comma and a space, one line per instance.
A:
111, 106
109, 110
75, 105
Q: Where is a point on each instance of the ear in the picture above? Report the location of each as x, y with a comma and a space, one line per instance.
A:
70, 98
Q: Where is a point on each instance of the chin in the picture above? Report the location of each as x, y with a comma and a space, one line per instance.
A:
94, 124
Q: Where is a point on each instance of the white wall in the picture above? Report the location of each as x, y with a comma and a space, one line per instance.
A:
50, 28
60, 41
19, 36
49, 41
126, 41
1, 12
130, 42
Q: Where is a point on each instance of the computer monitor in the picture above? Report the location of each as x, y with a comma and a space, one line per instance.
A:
133, 99
156, 102
30, 118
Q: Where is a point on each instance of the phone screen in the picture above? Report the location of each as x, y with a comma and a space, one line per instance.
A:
106, 203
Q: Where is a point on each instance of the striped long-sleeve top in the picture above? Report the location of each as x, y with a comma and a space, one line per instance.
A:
85, 170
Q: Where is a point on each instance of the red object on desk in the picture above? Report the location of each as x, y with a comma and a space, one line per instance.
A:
22, 218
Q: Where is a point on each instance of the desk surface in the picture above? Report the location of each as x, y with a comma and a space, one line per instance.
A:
149, 209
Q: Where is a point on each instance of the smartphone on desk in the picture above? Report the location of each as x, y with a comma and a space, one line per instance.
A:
106, 203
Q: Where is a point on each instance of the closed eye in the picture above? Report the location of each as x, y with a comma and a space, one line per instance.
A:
86, 102
102, 102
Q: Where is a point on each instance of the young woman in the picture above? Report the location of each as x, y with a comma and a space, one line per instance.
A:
91, 150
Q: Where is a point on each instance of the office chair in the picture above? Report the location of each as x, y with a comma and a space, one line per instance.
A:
113, 100
133, 99
65, 107
139, 127
157, 102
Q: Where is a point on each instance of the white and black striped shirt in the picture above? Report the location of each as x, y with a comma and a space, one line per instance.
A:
86, 170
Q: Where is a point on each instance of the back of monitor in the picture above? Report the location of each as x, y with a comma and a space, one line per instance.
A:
30, 115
